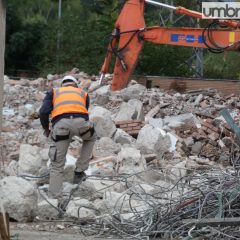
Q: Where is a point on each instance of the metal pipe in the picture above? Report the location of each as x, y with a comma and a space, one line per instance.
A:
59, 32
160, 4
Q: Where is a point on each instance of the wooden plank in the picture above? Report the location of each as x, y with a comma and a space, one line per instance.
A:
2, 52
190, 84
4, 233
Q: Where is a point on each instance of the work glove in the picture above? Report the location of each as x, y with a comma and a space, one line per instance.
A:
46, 132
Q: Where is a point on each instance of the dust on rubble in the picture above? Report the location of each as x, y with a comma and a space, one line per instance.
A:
159, 155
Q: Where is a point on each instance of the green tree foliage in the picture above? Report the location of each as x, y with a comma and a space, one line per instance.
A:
223, 66
24, 36
33, 29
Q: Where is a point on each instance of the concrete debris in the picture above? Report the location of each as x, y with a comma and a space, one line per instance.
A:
133, 92
103, 166
130, 160
80, 209
152, 140
132, 110
88, 191
19, 198
104, 147
101, 95
122, 137
48, 211
29, 159
149, 142
104, 125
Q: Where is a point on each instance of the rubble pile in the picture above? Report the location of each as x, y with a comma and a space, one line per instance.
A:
147, 161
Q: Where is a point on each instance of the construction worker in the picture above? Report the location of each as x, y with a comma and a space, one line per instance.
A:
68, 106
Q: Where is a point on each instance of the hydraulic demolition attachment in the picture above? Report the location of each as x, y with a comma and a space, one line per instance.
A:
130, 33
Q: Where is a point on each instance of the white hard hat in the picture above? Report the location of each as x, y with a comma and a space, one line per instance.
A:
68, 80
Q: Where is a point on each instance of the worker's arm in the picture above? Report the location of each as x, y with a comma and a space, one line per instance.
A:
46, 110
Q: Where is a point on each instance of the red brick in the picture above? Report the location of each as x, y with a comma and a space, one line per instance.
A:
132, 124
137, 128
227, 127
127, 129
133, 132
201, 132
210, 131
123, 125
208, 125
208, 120
136, 121
123, 122
213, 136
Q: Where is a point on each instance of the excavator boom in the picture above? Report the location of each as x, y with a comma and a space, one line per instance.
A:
130, 33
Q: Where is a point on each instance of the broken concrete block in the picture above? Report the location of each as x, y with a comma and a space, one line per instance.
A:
26, 110
80, 209
198, 100
103, 166
29, 159
105, 147
143, 188
133, 92
102, 206
46, 211
188, 141
152, 140
204, 161
19, 198
133, 110
182, 118
104, 90
130, 160
94, 86
87, 190
122, 137
10, 170
115, 199
44, 154
156, 122
101, 117
102, 95
102, 185
138, 106
178, 171
175, 124
196, 148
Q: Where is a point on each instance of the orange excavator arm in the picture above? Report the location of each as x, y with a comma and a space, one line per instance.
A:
130, 33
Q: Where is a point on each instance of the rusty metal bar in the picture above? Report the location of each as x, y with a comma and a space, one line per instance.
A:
213, 222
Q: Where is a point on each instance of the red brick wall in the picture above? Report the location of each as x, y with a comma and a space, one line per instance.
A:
225, 86
132, 127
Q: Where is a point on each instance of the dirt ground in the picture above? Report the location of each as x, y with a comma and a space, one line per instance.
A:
31, 235
28, 232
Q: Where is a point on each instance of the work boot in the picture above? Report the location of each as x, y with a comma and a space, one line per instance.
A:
79, 177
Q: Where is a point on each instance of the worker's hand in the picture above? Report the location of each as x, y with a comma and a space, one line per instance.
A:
46, 132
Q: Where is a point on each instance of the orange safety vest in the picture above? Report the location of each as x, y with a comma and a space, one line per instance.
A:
69, 100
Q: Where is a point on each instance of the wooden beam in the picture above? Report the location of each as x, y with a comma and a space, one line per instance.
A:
2, 53
4, 227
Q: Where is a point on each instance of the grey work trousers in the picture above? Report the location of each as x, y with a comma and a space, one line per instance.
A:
63, 132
